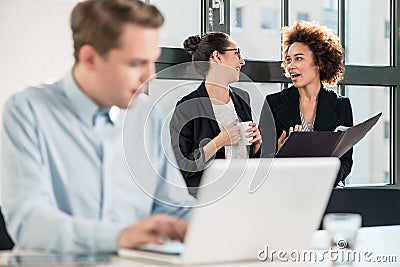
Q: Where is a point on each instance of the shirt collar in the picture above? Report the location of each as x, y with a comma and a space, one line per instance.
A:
111, 114
83, 106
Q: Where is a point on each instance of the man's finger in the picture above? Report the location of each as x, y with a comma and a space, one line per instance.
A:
171, 227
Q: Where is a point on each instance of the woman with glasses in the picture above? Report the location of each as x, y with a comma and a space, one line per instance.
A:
205, 123
312, 58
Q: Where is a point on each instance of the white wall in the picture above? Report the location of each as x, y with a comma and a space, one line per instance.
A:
35, 42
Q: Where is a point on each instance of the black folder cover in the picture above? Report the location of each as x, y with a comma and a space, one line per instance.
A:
325, 144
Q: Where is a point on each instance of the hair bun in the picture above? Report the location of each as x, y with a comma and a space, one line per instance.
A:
191, 43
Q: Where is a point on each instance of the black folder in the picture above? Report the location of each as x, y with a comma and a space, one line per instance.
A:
325, 144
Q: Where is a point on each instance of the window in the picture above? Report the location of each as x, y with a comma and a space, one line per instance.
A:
178, 25
371, 156
303, 16
238, 20
324, 12
365, 43
387, 29
259, 35
386, 179
330, 4
387, 130
269, 19
371, 58
331, 16
258, 92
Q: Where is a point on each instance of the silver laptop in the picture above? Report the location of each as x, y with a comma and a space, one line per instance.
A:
248, 205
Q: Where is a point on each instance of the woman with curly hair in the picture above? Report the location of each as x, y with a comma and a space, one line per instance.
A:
312, 58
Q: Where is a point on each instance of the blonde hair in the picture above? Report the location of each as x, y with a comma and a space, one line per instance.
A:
100, 22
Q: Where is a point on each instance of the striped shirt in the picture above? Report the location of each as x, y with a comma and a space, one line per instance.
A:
304, 125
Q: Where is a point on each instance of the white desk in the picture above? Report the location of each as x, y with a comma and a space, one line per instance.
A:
376, 241
374, 244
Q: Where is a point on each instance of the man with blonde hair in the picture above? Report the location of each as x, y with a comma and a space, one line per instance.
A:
66, 187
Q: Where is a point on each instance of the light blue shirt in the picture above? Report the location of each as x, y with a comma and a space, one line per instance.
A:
73, 175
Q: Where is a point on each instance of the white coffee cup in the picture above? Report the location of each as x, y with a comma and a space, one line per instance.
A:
244, 140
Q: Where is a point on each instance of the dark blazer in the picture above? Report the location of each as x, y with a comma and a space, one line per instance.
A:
332, 110
193, 125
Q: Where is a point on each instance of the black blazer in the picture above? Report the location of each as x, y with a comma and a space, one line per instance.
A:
332, 110
193, 125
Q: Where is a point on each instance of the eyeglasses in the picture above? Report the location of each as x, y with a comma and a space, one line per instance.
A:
237, 53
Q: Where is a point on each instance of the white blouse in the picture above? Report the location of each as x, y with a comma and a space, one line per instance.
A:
225, 115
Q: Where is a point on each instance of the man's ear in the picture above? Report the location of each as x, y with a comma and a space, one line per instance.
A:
87, 56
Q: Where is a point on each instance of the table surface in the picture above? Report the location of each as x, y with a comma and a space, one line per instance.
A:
376, 246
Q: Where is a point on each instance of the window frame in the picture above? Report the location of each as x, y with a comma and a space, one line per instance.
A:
270, 71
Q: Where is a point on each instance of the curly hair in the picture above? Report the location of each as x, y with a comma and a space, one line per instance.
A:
323, 43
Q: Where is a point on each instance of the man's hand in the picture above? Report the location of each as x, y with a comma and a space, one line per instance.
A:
153, 229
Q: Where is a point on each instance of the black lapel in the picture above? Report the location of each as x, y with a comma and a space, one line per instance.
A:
240, 108
207, 109
288, 113
327, 116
